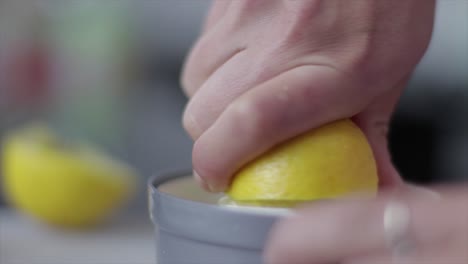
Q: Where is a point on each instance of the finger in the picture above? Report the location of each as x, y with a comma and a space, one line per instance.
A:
374, 122
442, 217
439, 253
320, 234
338, 231
231, 80
222, 87
455, 253
287, 105
227, 32
207, 55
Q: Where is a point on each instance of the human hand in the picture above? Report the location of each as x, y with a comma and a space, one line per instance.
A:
409, 226
264, 71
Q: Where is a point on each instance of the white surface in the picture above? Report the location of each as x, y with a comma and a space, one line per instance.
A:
129, 241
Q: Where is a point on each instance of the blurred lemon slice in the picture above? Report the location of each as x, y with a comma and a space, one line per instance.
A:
331, 161
62, 183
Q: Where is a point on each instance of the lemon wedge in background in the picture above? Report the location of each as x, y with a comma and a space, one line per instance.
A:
62, 183
326, 163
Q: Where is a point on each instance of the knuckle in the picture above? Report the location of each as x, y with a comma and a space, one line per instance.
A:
197, 65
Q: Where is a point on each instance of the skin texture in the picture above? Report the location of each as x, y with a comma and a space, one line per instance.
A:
264, 71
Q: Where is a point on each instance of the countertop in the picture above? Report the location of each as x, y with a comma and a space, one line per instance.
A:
128, 240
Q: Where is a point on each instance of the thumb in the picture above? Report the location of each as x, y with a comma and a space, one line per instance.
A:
374, 121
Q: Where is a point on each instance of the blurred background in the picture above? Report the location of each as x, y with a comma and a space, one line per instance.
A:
107, 72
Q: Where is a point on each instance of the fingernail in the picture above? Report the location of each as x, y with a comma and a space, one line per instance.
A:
397, 218
208, 186
200, 180
215, 188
